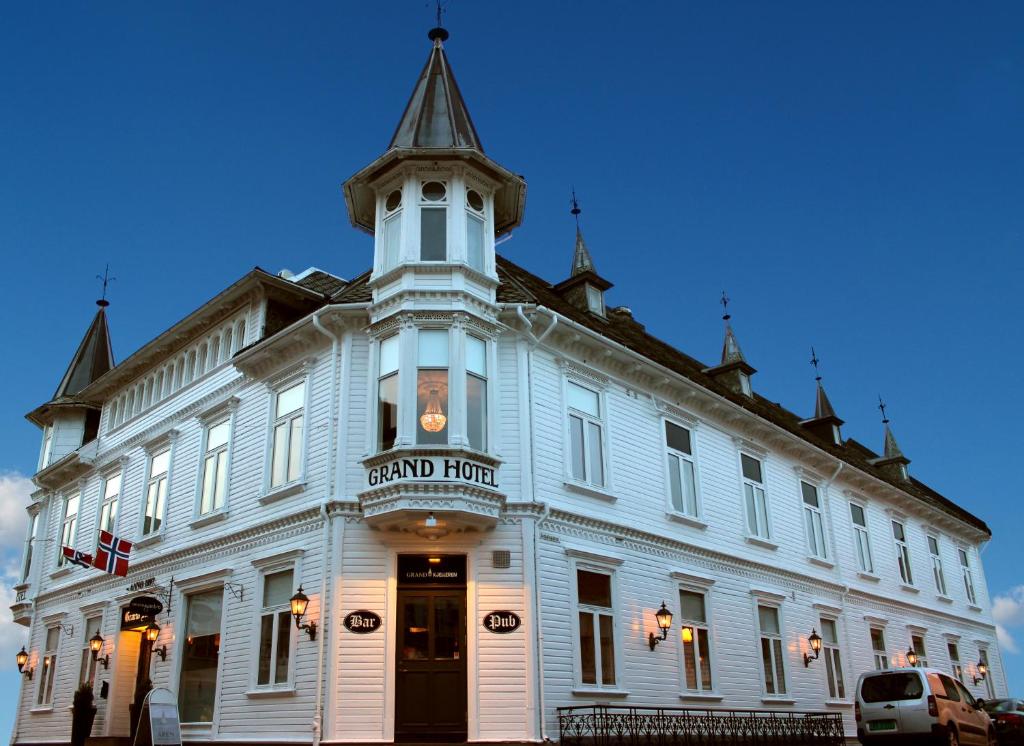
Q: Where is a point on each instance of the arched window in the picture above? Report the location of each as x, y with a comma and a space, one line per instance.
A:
475, 221
201, 360
433, 221
214, 350
391, 236
114, 409
225, 349
240, 335
190, 367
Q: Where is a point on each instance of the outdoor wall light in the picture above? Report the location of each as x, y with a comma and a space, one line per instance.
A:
299, 603
664, 619
815, 642
911, 657
152, 634
96, 645
982, 673
22, 658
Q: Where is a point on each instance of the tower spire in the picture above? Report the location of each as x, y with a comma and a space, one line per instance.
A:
892, 460
731, 352
581, 259
825, 423
733, 370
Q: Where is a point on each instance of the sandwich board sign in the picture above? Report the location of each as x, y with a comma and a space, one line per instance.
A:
158, 725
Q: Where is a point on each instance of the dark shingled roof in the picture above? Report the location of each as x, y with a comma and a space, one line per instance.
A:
92, 359
321, 282
356, 291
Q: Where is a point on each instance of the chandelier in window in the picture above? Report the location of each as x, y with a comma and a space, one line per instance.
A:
433, 420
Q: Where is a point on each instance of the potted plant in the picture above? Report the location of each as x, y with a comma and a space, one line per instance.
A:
83, 713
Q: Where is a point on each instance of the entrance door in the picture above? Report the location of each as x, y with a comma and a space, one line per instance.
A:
430, 691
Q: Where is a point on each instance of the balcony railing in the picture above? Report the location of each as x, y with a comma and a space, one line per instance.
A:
611, 725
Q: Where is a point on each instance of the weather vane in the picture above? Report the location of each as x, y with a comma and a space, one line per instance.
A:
575, 207
814, 362
725, 307
106, 279
881, 406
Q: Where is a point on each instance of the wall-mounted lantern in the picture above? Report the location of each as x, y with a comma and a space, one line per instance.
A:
22, 658
815, 642
152, 633
664, 619
982, 673
96, 645
911, 657
299, 603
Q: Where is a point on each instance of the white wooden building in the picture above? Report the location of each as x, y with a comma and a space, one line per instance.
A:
444, 448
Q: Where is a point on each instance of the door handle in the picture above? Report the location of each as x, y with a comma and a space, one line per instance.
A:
890, 707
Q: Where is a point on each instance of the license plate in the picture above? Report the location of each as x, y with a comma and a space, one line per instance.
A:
882, 725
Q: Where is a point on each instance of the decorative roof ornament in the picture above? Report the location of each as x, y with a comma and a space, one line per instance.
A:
731, 352
825, 423
581, 259
734, 370
822, 406
892, 459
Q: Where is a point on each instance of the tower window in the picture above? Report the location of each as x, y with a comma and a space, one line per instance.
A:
433, 222
432, 387
476, 392
391, 240
387, 394
475, 230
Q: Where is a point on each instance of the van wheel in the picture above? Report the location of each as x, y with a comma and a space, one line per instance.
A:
993, 740
952, 739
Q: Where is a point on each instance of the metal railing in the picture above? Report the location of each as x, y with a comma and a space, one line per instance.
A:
613, 725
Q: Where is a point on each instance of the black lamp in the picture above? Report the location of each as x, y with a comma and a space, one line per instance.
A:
299, 603
982, 673
152, 633
96, 645
911, 657
664, 619
815, 642
22, 658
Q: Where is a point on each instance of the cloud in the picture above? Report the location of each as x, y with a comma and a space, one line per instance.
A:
1008, 611
14, 496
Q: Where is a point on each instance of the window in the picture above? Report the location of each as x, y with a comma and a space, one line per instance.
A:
954, 660
44, 457
286, 456
387, 393
681, 481
753, 495
595, 300
833, 662
917, 643
697, 649
772, 662
989, 685
813, 523
391, 239
87, 671
585, 445
902, 553
273, 667
156, 492
214, 485
69, 527
433, 222
937, 573
33, 531
860, 538
197, 689
878, 648
432, 387
475, 230
965, 568
49, 668
597, 628
109, 503
476, 392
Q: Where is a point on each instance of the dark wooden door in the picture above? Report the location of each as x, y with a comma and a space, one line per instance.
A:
430, 690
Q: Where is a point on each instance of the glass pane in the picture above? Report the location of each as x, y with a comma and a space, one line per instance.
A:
279, 459
160, 463
576, 447
594, 454
780, 677
607, 651
476, 356
475, 242
217, 436
963, 558
705, 658
878, 640
594, 588
689, 487
222, 480
295, 449
857, 513
52, 638
828, 631
434, 191
476, 412
677, 438
830, 674
690, 663
433, 234
387, 412
446, 629
290, 399
266, 641
762, 512
389, 355
766, 665
768, 617
691, 607
474, 200
588, 665
675, 483
112, 486
392, 241
748, 493
433, 348
583, 399
197, 690
393, 200
277, 589
840, 686
810, 494
897, 531
415, 633
751, 467
432, 406
284, 631
209, 473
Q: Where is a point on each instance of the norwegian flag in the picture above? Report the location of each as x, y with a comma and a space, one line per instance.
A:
76, 558
112, 554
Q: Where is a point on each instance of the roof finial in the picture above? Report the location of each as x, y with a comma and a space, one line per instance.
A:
814, 362
581, 259
106, 279
575, 211
438, 34
881, 406
725, 307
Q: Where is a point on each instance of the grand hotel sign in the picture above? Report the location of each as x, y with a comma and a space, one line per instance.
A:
432, 469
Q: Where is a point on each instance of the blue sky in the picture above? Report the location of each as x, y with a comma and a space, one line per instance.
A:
850, 173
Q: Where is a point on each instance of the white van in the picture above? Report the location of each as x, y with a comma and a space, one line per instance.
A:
900, 706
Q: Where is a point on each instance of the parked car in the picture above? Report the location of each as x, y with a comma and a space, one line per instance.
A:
1008, 716
900, 706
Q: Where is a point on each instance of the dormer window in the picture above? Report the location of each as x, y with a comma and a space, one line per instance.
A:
745, 385
391, 241
475, 230
433, 221
595, 300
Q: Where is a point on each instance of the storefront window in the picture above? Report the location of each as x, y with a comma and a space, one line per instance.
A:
197, 690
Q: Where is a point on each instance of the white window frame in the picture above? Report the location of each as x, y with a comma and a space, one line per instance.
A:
220, 414
755, 486
445, 204
970, 590
283, 562
600, 568
68, 527
486, 378
811, 513
89, 664
706, 628
30, 555
484, 217
387, 218
46, 448
862, 539
833, 663
880, 656
47, 669
922, 654
691, 458
990, 687
955, 665
283, 383
938, 572
601, 421
111, 503
203, 584
903, 564
154, 450
773, 601
450, 368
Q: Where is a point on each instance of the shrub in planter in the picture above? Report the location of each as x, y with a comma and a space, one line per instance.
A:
83, 713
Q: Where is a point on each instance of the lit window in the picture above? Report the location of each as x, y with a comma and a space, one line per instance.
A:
213, 488
475, 230
275, 630
878, 648
753, 497
433, 222
937, 573
597, 628
585, 434
200, 652
990, 686
286, 459
156, 493
109, 503
44, 696
387, 394
476, 392
813, 522
432, 387
69, 527
965, 567
902, 553
954, 660
917, 643
87, 670
391, 241
860, 538
772, 662
681, 481
833, 662
696, 641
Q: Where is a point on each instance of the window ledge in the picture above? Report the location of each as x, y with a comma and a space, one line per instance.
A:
209, 518
757, 541
945, 599
593, 691
974, 607
280, 493
771, 699
270, 692
62, 572
686, 520
864, 575
821, 562
701, 696
838, 703
909, 588
590, 491
149, 541
41, 708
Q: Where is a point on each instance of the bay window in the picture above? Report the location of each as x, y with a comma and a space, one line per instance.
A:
213, 486
902, 553
937, 573
287, 437
69, 527
860, 538
833, 661
773, 665
813, 521
475, 222
156, 492
681, 481
200, 654
695, 636
432, 387
753, 496
433, 221
273, 662
586, 457
387, 393
596, 628
391, 238
476, 392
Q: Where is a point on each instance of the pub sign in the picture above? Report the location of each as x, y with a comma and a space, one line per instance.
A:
141, 611
502, 622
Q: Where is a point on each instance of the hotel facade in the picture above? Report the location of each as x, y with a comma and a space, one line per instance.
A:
485, 484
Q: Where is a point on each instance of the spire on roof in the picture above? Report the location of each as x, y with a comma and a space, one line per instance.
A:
892, 459
581, 259
734, 370
93, 357
436, 116
822, 406
825, 423
731, 352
